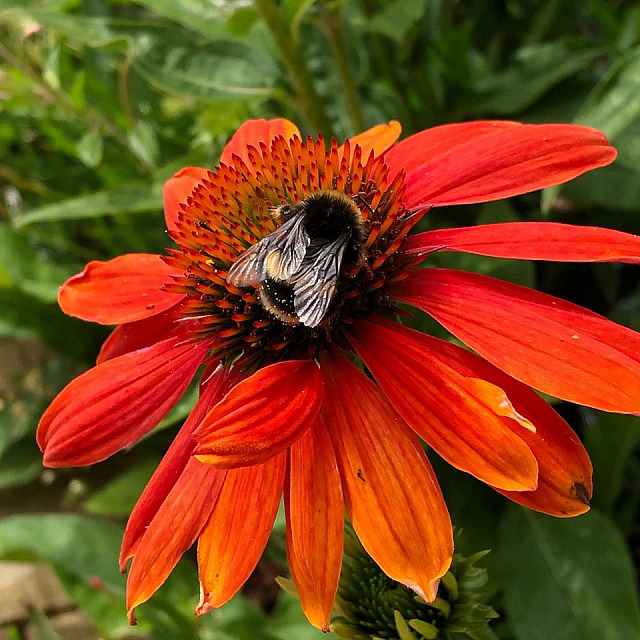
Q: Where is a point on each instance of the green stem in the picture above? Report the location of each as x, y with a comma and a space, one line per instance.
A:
333, 27
293, 60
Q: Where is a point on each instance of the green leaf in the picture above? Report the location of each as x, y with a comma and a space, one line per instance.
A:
203, 16
610, 438
220, 70
84, 547
90, 147
20, 464
118, 497
129, 198
24, 267
614, 102
567, 579
144, 142
535, 69
396, 18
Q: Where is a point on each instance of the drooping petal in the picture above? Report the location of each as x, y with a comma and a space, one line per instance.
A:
377, 139
554, 346
468, 423
533, 241
172, 464
237, 532
421, 148
393, 498
315, 523
174, 528
564, 476
510, 161
132, 336
125, 289
177, 188
261, 416
252, 133
114, 404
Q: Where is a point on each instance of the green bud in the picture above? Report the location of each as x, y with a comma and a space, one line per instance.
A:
371, 606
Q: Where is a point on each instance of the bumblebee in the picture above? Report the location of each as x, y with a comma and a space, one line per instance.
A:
298, 266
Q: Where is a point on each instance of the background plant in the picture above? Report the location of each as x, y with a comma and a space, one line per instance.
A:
102, 100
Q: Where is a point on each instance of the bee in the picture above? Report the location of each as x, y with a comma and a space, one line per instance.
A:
298, 266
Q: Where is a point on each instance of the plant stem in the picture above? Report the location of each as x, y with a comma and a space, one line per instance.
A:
333, 27
294, 62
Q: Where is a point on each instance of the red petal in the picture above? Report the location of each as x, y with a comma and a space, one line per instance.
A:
237, 532
552, 345
124, 289
261, 416
315, 522
510, 161
564, 477
173, 530
377, 139
132, 336
412, 153
114, 404
172, 465
177, 188
462, 418
252, 133
533, 241
391, 493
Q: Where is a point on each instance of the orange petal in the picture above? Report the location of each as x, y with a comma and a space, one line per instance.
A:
172, 464
237, 532
564, 476
315, 523
252, 133
177, 188
261, 416
114, 404
468, 423
393, 498
552, 345
132, 336
172, 531
125, 289
377, 139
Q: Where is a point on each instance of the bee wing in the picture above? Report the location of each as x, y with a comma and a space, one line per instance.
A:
277, 255
314, 285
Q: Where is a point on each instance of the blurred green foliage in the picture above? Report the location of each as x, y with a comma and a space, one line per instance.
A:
102, 100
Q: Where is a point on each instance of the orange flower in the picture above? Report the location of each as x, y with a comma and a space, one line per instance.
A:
290, 259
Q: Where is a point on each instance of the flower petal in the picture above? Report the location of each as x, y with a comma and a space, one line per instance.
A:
261, 416
464, 421
552, 345
177, 188
315, 523
172, 464
412, 153
377, 139
510, 161
393, 498
533, 241
125, 289
252, 133
237, 532
114, 404
175, 527
132, 336
564, 477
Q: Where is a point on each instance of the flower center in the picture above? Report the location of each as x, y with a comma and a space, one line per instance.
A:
282, 252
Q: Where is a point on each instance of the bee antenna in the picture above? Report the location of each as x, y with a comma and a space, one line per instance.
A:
364, 202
